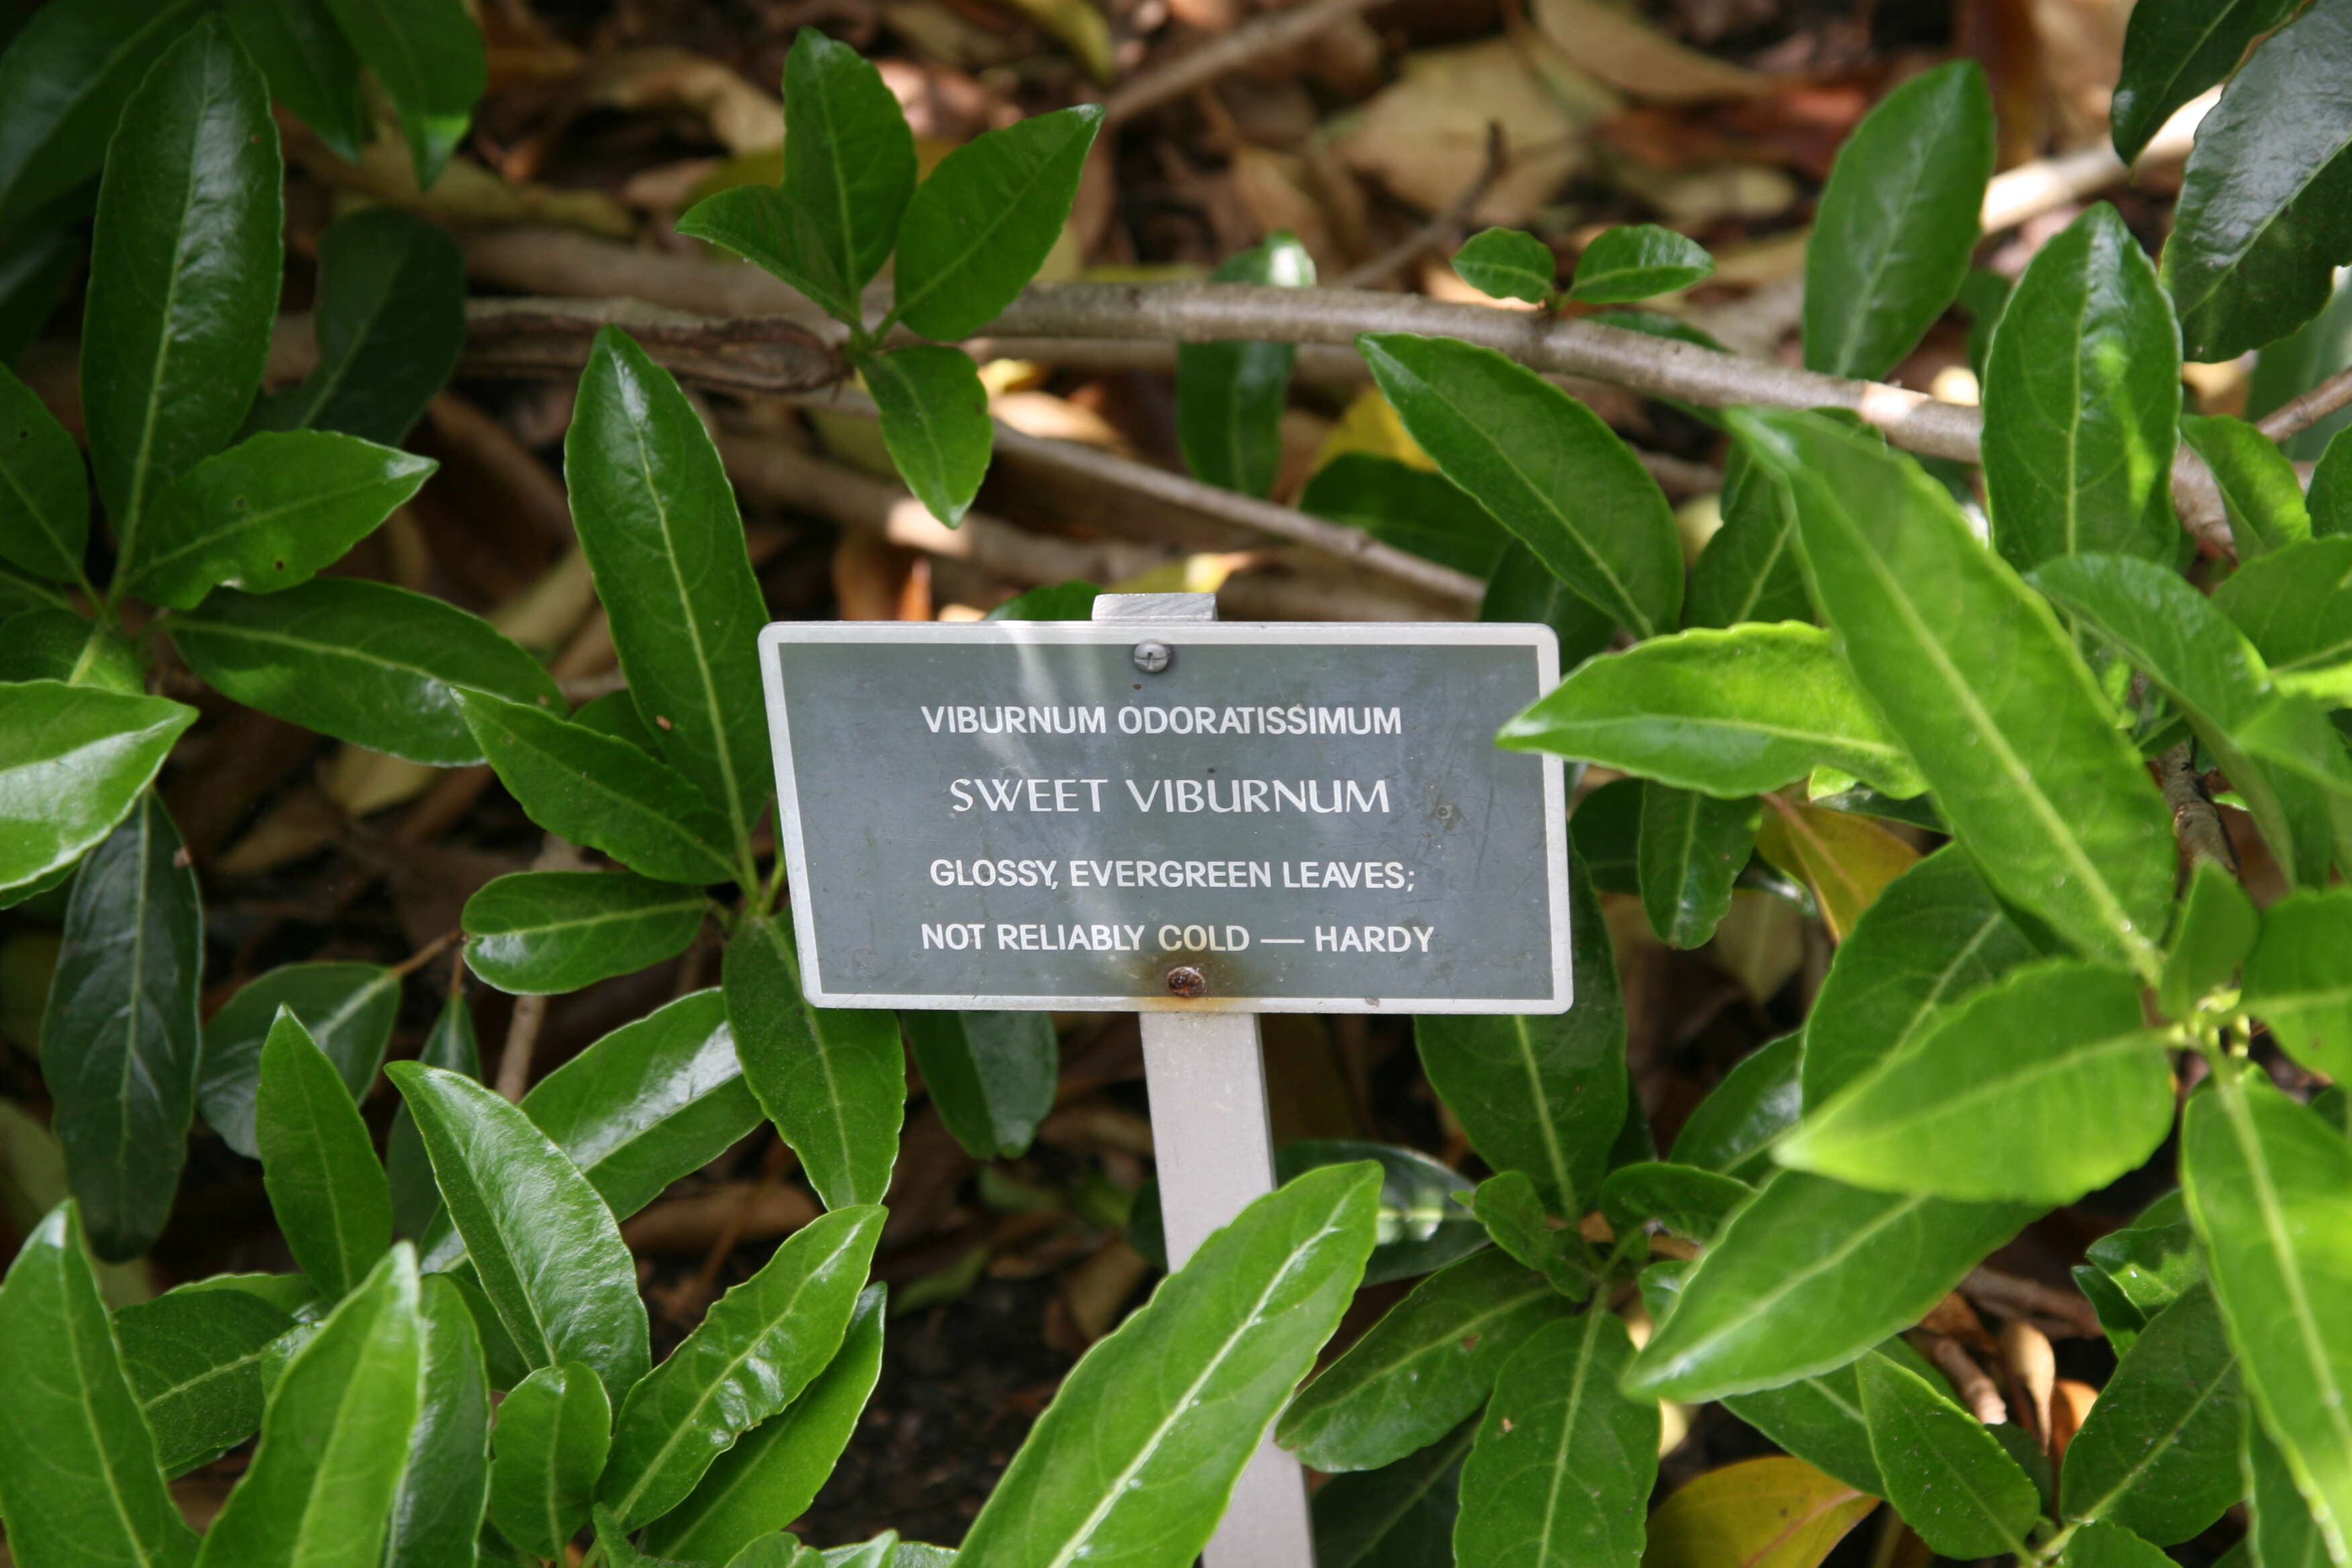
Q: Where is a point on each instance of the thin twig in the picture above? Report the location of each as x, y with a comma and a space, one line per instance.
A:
2011, 1293
1252, 41
1970, 1382
1438, 231
522, 1038
2196, 821
2297, 415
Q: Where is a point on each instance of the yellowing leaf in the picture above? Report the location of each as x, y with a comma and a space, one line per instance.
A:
1370, 424
1775, 1512
1844, 859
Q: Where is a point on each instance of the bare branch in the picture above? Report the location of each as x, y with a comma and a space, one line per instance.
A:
1198, 68
2297, 415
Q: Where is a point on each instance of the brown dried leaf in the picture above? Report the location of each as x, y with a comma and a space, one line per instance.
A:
1627, 52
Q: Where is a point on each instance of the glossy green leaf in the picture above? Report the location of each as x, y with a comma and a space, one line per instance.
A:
1684, 1199
2296, 980
2215, 932
554, 1430
2082, 401
1542, 1094
1778, 1295
935, 423
1561, 1473
119, 1043
65, 79
44, 494
774, 1472
549, 1254
73, 761
2173, 51
598, 791
849, 167
364, 662
1511, 1211
1070, 601
2295, 763
325, 1186
1984, 688
194, 1358
615, 714
1230, 395
1897, 221
391, 321
1952, 1480
977, 230
183, 277
1424, 1224
2110, 1546
1692, 847
1400, 1516
1732, 1129
35, 270
761, 1344
992, 1075
436, 1515
1413, 510
2256, 233
658, 518
1729, 713
64, 645
2260, 490
2294, 604
1820, 1419
1507, 264
1749, 568
1545, 464
2282, 1531
310, 68
1604, 836
428, 55
2155, 1456
1136, 1456
2265, 1179
541, 932
1638, 261
334, 1437
2330, 497
349, 1010
833, 1080
1424, 1368
79, 1479
2038, 1089
452, 1044
2137, 1272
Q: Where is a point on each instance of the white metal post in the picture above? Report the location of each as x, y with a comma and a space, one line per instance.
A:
1214, 1142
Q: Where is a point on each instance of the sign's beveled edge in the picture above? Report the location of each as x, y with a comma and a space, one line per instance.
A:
1538, 638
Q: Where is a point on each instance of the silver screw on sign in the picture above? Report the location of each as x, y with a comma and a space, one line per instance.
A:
1152, 656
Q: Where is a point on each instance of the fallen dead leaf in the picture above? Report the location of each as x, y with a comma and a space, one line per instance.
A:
1629, 53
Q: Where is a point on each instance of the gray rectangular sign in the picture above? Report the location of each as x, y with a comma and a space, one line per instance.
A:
1313, 818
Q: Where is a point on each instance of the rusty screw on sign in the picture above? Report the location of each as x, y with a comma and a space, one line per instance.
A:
1186, 981
1152, 656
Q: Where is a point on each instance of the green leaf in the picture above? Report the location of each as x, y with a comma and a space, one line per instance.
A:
833, 1080
119, 1042
1638, 261
658, 518
428, 55
2282, 1531
184, 274
1729, 713
1423, 1224
65, 79
2296, 982
1897, 221
1778, 1295
849, 166
325, 1187
2039, 1089
1684, 1199
1732, 1129
1422, 511
992, 1075
452, 1045
64, 645
1952, 1481
2082, 401
1424, 1368
543, 932
935, 423
364, 662
549, 1256
1545, 466
615, 714
334, 1438
1561, 1473
2174, 50
1749, 569
553, 1432
760, 1346
44, 494
310, 66
79, 1478
1138, 1454
1977, 677
1985, 296
2108, 1546
2259, 488
194, 1358
2137, 1272
2330, 498
2255, 235
73, 761
2214, 934
1400, 1516
2155, 1454
437, 1513
268, 513
1230, 395
774, 1472
1604, 834
349, 1010
1820, 1419
977, 230
2298, 756
1692, 847
1542, 1094
2265, 1179
1507, 264
1510, 1210
1070, 601
391, 322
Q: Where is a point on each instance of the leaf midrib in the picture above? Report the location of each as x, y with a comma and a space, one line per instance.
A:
901, 307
